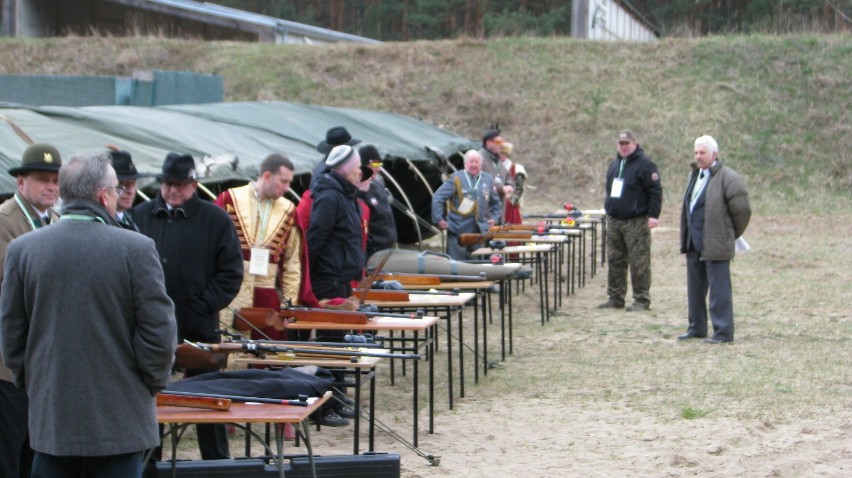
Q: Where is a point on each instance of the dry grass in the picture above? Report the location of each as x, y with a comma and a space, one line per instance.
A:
779, 106
591, 381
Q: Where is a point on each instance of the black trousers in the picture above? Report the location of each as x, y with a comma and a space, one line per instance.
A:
16, 456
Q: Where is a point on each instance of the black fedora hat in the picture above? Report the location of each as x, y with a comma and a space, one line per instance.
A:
336, 136
123, 165
178, 167
39, 157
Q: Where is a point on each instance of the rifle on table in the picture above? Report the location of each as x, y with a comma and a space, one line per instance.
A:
188, 357
471, 239
429, 279
261, 317
306, 350
169, 399
398, 295
177, 398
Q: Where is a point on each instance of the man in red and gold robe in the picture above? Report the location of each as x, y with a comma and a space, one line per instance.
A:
271, 242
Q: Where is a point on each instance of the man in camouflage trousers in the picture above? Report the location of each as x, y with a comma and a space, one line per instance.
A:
633, 203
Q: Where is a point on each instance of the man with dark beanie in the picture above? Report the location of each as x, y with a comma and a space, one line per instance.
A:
382, 228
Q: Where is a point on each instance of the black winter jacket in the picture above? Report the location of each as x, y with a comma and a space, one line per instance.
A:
201, 258
334, 236
642, 194
382, 230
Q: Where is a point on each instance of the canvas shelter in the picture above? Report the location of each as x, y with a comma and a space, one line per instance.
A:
235, 137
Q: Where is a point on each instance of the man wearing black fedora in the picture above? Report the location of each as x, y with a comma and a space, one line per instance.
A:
202, 264
126, 172
335, 136
30, 208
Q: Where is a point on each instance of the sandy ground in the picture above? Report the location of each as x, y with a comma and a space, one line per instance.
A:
511, 424
499, 430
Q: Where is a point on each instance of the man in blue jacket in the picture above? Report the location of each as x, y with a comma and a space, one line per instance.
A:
467, 203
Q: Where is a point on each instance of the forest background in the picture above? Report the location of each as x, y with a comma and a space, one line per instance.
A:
403, 20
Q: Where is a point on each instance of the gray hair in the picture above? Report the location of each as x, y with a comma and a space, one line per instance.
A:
470, 153
706, 140
84, 174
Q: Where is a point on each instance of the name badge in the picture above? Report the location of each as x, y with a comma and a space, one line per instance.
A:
617, 186
259, 263
466, 206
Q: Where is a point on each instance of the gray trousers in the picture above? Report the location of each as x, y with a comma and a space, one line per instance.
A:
714, 276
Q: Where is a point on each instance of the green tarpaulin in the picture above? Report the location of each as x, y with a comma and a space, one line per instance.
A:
247, 131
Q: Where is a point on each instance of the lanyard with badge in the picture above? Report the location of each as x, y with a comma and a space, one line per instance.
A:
467, 204
259, 262
26, 212
618, 183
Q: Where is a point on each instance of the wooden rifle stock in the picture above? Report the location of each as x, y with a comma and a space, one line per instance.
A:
324, 315
428, 279
187, 356
166, 399
471, 239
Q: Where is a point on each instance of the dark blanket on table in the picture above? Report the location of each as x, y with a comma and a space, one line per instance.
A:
285, 384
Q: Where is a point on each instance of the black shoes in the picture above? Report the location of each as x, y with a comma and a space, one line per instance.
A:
610, 305
690, 335
638, 307
332, 419
716, 341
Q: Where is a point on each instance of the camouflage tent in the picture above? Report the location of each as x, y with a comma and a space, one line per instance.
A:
235, 137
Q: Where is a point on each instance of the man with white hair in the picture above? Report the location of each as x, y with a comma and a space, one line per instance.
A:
715, 213
335, 253
467, 202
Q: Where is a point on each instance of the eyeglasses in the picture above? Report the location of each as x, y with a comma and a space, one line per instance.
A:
118, 189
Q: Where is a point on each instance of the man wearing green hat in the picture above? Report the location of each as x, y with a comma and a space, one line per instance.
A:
30, 208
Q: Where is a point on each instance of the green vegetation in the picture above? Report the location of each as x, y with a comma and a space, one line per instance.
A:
779, 106
691, 413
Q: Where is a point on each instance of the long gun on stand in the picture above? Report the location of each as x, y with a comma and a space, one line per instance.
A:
261, 349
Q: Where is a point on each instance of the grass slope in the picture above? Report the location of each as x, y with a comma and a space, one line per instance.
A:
779, 106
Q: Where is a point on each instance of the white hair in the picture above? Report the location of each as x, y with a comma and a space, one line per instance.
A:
470, 153
709, 142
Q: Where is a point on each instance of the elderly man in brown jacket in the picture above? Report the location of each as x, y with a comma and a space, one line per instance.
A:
715, 213
30, 208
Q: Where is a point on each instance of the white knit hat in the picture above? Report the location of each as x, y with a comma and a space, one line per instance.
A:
339, 155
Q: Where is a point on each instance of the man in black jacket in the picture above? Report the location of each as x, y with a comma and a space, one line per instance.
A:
334, 236
202, 263
633, 203
381, 233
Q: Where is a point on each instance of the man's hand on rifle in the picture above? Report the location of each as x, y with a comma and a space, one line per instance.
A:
442, 225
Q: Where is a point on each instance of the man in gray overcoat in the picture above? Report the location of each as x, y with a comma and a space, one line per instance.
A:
91, 340
716, 211
467, 202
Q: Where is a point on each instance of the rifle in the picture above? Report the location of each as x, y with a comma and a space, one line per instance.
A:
261, 349
471, 239
429, 279
169, 399
397, 295
187, 357
302, 401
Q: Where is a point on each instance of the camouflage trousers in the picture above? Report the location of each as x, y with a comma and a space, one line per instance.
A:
628, 246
